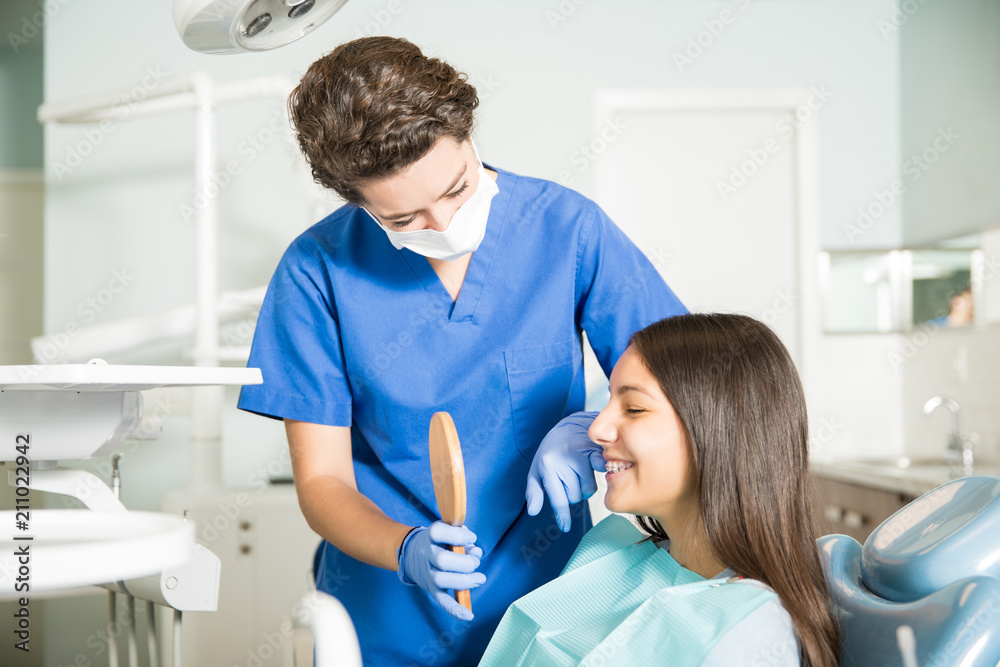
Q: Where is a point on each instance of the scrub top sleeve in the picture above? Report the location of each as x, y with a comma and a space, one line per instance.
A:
618, 290
297, 347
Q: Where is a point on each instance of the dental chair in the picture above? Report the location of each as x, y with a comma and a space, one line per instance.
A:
320, 619
933, 566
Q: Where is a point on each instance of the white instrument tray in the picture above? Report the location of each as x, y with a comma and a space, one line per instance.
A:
74, 548
111, 377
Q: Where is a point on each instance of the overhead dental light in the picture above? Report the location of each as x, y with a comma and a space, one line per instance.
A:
235, 26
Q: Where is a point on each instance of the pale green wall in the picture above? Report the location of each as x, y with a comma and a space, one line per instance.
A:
20, 95
21, 70
950, 78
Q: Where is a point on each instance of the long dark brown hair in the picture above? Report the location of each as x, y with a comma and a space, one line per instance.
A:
735, 389
374, 106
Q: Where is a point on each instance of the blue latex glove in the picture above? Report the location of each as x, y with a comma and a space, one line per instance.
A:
564, 465
424, 562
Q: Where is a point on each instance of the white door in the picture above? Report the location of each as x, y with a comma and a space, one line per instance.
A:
709, 187
718, 189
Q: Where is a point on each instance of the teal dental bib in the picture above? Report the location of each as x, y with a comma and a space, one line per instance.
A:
621, 601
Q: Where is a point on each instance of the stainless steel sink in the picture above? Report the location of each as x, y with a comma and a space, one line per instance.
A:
918, 474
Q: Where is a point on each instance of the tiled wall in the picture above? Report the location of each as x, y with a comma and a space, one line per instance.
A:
963, 364
854, 396
21, 262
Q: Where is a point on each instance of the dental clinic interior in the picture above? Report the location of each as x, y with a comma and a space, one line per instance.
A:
830, 168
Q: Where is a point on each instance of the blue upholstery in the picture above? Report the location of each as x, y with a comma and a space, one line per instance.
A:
933, 565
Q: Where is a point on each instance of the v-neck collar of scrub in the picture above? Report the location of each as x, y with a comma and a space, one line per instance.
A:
463, 309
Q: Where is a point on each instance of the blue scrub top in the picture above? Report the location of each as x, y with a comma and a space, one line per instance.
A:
354, 332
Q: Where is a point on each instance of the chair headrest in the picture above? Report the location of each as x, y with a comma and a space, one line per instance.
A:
948, 534
954, 626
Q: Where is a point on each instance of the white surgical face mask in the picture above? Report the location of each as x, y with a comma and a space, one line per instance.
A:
465, 231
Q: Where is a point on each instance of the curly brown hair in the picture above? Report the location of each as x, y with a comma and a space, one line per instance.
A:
374, 106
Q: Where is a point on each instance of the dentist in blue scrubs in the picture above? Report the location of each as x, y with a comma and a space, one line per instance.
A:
443, 284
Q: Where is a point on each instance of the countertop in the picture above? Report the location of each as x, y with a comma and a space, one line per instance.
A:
913, 478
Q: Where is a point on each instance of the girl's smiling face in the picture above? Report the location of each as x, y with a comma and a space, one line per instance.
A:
650, 468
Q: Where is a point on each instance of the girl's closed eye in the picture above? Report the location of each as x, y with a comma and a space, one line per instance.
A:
634, 411
402, 223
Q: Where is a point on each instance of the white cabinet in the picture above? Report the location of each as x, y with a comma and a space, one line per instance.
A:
266, 549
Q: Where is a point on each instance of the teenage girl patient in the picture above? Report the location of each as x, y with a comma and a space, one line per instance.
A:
707, 445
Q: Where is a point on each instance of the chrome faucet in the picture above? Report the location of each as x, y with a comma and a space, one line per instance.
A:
957, 439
